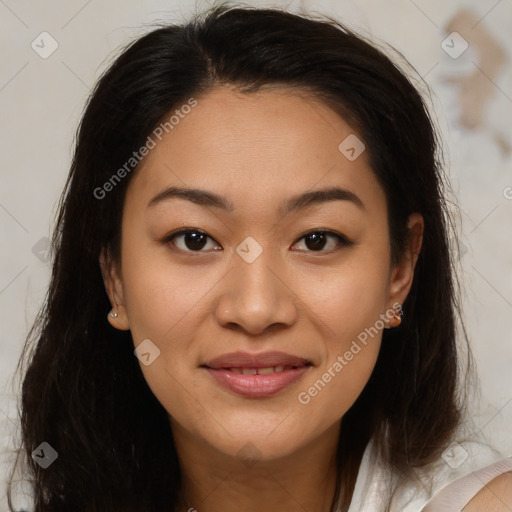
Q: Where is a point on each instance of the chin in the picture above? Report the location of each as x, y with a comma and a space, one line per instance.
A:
248, 442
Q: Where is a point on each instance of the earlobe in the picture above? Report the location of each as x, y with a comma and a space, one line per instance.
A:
117, 316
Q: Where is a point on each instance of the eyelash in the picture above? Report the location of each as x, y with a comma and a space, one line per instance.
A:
342, 239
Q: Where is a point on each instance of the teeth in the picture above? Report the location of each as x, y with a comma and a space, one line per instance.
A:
261, 371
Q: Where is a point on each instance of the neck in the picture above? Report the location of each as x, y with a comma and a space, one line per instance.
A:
215, 482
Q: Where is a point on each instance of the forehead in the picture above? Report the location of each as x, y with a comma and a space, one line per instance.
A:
255, 148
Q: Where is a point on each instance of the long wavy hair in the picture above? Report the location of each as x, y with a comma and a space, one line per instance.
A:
83, 391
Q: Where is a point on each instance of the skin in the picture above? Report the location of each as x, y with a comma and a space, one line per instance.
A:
256, 150
496, 496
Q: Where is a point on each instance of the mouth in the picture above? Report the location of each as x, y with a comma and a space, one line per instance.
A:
259, 371
257, 375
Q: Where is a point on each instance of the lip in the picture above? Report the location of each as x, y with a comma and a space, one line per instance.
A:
227, 371
263, 360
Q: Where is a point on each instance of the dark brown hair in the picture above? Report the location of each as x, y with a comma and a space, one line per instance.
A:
83, 391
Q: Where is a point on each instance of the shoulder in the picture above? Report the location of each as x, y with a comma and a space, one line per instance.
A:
496, 496
487, 488
467, 477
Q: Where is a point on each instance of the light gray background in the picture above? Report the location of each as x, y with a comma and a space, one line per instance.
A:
41, 101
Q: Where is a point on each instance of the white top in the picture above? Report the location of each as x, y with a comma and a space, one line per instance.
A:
446, 485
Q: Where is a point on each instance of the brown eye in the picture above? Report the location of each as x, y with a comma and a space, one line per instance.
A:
316, 241
190, 240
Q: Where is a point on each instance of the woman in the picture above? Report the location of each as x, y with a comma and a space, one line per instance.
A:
256, 207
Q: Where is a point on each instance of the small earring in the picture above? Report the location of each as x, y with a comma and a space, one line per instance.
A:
113, 314
397, 318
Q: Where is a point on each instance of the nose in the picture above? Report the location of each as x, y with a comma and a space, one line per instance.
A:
257, 297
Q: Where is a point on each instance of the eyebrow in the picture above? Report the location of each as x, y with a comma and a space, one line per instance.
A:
298, 202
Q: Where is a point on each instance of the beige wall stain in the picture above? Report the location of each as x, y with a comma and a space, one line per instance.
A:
476, 89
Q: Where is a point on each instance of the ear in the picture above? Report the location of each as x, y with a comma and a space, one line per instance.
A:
403, 273
115, 291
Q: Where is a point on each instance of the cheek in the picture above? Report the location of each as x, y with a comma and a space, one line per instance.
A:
349, 302
161, 306
351, 297
350, 358
159, 295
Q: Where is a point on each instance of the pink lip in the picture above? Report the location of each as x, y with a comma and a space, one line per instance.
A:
263, 360
256, 386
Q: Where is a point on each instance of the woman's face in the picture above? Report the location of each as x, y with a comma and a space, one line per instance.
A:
255, 288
